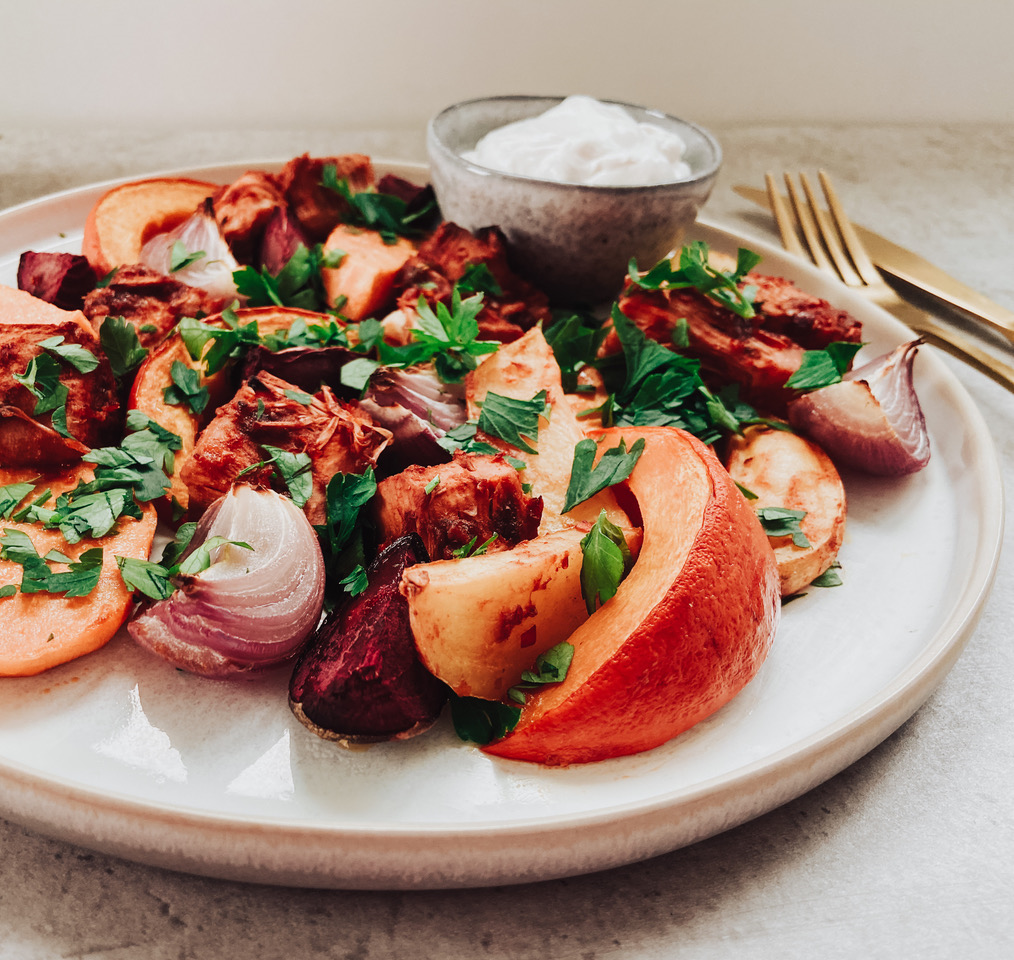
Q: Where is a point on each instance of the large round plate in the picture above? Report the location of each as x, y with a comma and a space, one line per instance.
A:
122, 753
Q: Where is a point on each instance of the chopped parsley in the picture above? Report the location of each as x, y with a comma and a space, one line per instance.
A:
606, 561
694, 270
186, 389
663, 388
587, 477
227, 343
387, 214
180, 258
574, 340
471, 550
783, 522
121, 346
514, 421
38, 576
822, 368
482, 721
550, 667
297, 284
341, 534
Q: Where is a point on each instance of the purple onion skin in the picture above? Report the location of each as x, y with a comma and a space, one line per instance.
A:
360, 679
282, 237
303, 367
871, 421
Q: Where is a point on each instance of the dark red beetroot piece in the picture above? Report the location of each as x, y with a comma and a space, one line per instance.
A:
61, 279
360, 679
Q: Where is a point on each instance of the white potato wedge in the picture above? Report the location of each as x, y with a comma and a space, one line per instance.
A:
786, 470
479, 622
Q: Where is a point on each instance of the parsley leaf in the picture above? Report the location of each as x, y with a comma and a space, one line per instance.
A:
783, 522
186, 389
821, 368
482, 721
295, 471
478, 278
694, 271
383, 212
550, 667
41, 378
11, 495
144, 576
356, 581
81, 359
574, 340
227, 343
180, 258
297, 284
445, 335
514, 421
829, 578
80, 578
340, 535
200, 559
606, 561
587, 477
121, 346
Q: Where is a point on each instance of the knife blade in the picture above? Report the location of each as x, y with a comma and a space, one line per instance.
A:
917, 271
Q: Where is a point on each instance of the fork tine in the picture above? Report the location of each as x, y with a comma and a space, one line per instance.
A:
853, 245
829, 235
809, 228
790, 239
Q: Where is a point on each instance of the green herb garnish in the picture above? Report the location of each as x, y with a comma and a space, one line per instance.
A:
514, 421
783, 522
694, 271
606, 561
587, 477
822, 368
186, 389
180, 258
550, 667
121, 346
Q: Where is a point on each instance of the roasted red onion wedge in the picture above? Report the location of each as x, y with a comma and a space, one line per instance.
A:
198, 234
872, 420
360, 679
252, 608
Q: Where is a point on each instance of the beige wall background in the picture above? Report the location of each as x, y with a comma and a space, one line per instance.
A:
393, 63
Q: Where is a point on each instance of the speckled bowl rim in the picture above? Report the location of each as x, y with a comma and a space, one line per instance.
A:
710, 172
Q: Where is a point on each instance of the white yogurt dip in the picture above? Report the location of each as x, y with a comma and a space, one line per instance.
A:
581, 140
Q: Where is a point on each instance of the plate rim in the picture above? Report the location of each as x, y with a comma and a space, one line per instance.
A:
811, 760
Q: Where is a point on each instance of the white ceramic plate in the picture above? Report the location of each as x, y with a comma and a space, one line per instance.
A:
122, 753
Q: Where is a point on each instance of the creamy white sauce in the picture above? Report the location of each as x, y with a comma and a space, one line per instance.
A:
581, 140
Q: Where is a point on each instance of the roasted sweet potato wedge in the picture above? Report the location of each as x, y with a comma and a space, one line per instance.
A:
785, 470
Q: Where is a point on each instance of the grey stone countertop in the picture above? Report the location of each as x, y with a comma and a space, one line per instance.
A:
907, 853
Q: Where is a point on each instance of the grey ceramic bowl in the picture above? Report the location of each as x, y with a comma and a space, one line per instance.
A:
572, 241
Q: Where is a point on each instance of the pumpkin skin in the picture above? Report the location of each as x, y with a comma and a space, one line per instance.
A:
688, 628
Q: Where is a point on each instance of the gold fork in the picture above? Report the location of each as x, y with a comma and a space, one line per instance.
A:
832, 244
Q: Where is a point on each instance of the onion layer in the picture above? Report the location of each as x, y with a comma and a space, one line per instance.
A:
872, 420
199, 233
251, 608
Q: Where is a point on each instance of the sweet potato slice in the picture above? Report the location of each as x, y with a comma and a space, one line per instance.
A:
365, 277
786, 470
42, 630
128, 215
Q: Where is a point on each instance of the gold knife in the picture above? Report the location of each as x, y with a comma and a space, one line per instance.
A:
920, 273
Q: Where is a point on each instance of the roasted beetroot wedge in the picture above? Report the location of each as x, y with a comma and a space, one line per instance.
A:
360, 679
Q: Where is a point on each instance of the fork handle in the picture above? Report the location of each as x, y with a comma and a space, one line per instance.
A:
963, 349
